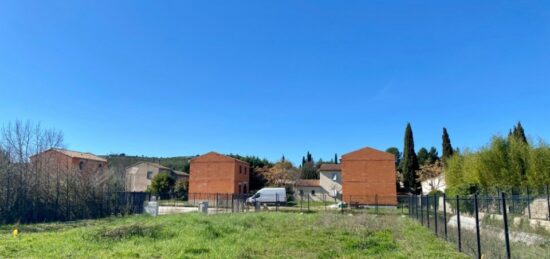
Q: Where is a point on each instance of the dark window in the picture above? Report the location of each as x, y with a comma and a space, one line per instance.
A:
312, 192
301, 192
244, 189
240, 189
149, 175
81, 165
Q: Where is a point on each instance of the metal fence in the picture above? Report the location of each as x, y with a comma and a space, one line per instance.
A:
485, 225
74, 208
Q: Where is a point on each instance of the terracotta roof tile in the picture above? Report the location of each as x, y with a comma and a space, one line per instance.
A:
330, 167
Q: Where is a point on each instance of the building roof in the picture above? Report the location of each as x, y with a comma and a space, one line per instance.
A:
76, 154
157, 165
308, 183
368, 153
179, 173
218, 155
330, 167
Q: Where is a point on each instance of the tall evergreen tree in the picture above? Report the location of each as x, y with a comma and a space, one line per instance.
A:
519, 133
409, 163
309, 170
433, 156
446, 146
422, 156
335, 158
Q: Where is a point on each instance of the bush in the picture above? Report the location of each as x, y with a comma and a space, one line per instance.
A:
162, 185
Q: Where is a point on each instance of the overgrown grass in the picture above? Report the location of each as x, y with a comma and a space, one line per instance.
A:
247, 235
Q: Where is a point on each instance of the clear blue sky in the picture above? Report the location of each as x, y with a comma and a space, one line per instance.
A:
266, 78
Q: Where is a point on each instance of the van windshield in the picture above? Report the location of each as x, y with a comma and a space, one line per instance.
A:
257, 195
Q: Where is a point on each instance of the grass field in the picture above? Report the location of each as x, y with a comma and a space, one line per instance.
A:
247, 235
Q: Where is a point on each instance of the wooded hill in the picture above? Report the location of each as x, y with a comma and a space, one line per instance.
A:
178, 163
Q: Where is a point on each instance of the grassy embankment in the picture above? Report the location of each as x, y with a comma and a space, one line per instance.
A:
252, 235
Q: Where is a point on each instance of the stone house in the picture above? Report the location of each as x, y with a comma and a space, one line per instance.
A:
140, 175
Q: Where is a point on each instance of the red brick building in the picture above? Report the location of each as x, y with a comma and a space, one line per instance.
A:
68, 160
369, 176
214, 173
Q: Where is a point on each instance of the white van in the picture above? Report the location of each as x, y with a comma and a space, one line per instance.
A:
269, 195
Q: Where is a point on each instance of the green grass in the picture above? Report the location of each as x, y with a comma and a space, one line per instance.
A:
247, 235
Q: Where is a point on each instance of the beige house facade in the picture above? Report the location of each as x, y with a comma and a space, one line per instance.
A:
140, 175
330, 179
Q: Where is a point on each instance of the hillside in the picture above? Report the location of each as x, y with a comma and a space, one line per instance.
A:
179, 163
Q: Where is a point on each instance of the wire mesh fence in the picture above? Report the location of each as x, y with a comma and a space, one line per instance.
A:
483, 226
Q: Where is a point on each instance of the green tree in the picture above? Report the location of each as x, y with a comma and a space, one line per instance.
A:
422, 156
409, 163
396, 153
309, 168
181, 188
446, 146
335, 158
162, 185
519, 133
433, 156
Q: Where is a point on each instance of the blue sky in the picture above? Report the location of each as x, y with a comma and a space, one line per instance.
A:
267, 78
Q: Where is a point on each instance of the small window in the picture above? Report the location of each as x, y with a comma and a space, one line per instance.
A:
312, 192
81, 165
245, 190
149, 175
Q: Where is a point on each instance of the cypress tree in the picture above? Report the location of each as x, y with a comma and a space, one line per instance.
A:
519, 133
409, 163
335, 158
447, 147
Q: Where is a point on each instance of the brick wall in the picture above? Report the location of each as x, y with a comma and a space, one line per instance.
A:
216, 173
368, 176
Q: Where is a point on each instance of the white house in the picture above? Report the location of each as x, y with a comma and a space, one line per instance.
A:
434, 183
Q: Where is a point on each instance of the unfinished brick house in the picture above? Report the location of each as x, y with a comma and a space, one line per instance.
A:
369, 177
68, 160
213, 173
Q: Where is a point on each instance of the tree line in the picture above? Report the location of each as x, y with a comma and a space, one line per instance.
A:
506, 163
45, 191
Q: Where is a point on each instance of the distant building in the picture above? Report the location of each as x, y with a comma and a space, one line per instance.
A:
140, 175
213, 173
369, 177
330, 179
309, 188
68, 160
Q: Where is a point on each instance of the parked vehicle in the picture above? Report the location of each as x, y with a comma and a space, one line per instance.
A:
269, 195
